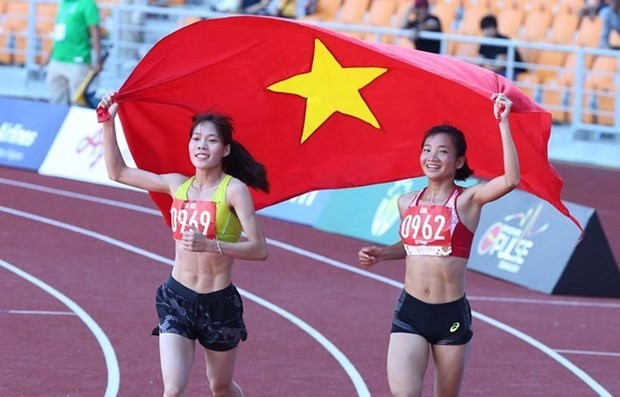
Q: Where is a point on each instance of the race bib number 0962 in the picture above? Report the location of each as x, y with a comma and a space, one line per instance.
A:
426, 225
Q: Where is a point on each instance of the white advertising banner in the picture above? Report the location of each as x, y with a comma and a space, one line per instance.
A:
77, 151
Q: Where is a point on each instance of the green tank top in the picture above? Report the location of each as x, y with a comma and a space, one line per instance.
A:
227, 225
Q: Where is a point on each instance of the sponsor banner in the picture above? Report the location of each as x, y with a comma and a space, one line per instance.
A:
524, 240
25, 139
77, 152
304, 209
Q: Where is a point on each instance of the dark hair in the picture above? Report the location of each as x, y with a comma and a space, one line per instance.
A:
239, 162
458, 139
488, 21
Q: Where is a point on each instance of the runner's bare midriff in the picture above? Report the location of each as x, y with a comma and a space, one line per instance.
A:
203, 272
435, 279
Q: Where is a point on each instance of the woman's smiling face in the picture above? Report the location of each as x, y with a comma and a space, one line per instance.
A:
206, 149
438, 158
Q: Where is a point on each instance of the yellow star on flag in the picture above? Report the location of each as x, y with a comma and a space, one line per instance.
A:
330, 88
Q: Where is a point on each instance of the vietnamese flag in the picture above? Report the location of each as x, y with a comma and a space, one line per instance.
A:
321, 110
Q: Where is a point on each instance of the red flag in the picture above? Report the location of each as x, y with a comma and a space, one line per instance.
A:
322, 110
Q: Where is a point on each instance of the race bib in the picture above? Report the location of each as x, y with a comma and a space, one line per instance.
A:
425, 230
199, 214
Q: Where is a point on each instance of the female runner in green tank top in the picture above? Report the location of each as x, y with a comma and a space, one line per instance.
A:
210, 209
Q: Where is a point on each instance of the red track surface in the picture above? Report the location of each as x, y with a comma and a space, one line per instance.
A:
49, 355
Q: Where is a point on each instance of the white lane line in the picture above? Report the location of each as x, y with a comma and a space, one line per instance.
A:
588, 352
594, 385
80, 196
581, 374
137, 208
556, 302
567, 364
38, 312
108, 351
354, 375
345, 363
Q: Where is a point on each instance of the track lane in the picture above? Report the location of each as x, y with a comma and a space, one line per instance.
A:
335, 374
340, 247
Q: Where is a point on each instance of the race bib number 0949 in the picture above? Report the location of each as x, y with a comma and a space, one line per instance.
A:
186, 213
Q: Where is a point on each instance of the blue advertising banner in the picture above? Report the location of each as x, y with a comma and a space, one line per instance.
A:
304, 209
524, 240
27, 130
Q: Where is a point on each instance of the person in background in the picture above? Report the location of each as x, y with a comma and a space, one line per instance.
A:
432, 315
592, 9
611, 21
76, 49
422, 20
493, 57
210, 209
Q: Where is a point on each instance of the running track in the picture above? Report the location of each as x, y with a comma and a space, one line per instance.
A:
79, 264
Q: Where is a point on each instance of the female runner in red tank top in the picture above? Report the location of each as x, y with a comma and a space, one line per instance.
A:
432, 315
199, 302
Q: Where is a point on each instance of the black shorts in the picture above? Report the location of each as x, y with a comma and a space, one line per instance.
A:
440, 324
215, 319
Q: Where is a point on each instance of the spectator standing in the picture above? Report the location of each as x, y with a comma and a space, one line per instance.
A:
493, 57
423, 21
611, 21
76, 37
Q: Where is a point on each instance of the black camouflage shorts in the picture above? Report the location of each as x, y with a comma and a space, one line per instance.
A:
215, 319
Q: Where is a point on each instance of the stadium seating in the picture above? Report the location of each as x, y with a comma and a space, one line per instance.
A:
510, 20
549, 79
469, 25
14, 29
326, 10
601, 86
534, 29
352, 12
380, 14
46, 16
447, 14
589, 32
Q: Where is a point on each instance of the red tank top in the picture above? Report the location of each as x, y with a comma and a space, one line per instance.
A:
435, 230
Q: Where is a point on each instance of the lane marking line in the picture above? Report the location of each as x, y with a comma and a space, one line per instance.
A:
145, 210
111, 363
587, 379
588, 352
557, 302
345, 363
513, 331
79, 196
38, 312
